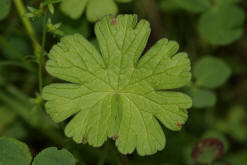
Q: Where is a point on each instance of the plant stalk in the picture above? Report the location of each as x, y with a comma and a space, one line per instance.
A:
27, 24
124, 159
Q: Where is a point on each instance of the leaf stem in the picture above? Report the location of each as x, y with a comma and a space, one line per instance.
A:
31, 33
42, 51
124, 159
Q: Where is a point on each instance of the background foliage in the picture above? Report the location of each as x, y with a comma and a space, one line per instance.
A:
212, 32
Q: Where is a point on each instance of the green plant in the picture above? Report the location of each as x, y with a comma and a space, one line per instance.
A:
108, 82
13, 152
95, 9
118, 94
209, 73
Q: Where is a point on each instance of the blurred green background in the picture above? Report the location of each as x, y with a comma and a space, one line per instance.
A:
212, 32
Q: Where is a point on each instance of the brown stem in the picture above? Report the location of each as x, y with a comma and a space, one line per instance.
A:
124, 159
152, 12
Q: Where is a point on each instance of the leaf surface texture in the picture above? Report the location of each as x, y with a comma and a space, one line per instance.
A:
117, 93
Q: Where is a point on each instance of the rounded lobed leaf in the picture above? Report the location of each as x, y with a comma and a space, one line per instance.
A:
14, 152
202, 98
53, 156
117, 94
211, 72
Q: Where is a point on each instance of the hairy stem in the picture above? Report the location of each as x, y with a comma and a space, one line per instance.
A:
30, 31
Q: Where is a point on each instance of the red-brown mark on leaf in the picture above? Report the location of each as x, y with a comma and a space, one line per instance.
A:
115, 137
113, 20
178, 125
84, 140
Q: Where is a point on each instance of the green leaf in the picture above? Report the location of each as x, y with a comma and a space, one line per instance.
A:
53, 156
14, 152
236, 123
202, 98
73, 8
208, 155
208, 150
211, 72
218, 135
115, 94
218, 26
5, 6
95, 9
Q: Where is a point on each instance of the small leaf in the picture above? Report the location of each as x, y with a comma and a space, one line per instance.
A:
14, 152
117, 93
51, 8
53, 156
218, 135
54, 28
31, 9
97, 9
202, 98
218, 26
211, 72
208, 150
73, 8
5, 6
236, 125
29, 15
